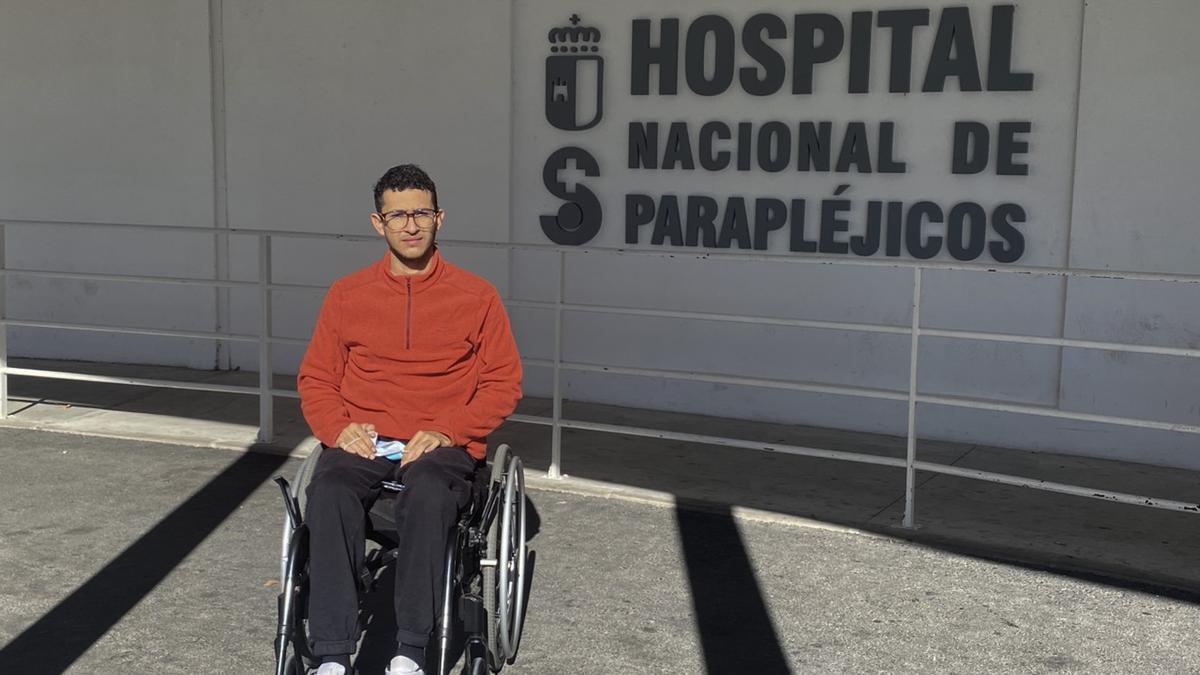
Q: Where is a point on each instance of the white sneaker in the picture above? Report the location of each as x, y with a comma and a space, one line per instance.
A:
402, 665
331, 668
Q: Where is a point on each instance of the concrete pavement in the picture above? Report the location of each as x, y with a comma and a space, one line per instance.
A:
135, 557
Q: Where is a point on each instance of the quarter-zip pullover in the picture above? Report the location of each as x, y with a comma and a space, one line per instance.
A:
430, 352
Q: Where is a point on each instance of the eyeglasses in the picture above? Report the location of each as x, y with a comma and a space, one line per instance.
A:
398, 219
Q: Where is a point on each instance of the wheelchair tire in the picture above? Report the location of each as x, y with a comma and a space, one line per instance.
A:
294, 663
504, 595
500, 463
478, 666
496, 656
513, 531
292, 645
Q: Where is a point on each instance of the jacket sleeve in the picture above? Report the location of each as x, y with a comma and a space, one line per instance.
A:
320, 379
499, 386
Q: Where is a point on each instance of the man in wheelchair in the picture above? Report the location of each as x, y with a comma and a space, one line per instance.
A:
411, 365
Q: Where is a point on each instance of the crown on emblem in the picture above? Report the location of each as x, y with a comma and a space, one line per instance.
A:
574, 38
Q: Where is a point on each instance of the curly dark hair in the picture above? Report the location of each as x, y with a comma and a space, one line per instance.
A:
404, 177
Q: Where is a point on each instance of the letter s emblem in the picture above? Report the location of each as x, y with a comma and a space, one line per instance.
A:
579, 219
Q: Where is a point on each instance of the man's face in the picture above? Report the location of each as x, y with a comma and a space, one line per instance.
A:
410, 235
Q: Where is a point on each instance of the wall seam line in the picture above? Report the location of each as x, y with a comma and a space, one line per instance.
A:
1066, 281
216, 50
512, 129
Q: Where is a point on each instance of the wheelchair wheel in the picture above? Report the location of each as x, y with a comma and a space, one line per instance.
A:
513, 550
296, 660
291, 643
504, 587
496, 656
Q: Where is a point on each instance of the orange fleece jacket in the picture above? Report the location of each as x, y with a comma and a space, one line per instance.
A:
430, 352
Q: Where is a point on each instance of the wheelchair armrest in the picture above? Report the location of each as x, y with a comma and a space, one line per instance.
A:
289, 502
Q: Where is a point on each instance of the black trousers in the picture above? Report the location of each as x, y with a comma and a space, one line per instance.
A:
344, 486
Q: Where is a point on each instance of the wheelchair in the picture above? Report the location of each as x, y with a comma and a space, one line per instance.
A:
484, 583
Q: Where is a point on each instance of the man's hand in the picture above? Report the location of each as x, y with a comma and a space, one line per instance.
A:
356, 439
422, 442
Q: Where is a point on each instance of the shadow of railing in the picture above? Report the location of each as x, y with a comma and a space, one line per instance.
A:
732, 618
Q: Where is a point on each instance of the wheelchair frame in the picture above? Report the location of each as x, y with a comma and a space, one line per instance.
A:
483, 584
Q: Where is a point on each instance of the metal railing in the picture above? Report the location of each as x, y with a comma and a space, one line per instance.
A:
266, 392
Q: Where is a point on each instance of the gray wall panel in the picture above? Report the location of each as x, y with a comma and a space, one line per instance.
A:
104, 250
1148, 386
995, 370
993, 302
533, 330
537, 379
1162, 313
739, 349
772, 405
535, 275
107, 112
776, 289
107, 303
110, 303
1138, 153
108, 347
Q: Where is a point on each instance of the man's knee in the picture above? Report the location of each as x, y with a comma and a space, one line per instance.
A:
332, 487
431, 487
424, 474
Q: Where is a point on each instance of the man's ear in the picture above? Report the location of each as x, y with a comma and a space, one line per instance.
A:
377, 223
441, 216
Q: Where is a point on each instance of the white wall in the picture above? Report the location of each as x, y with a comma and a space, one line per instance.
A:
116, 124
107, 119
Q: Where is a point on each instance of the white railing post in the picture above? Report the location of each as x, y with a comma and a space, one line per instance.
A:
3, 329
556, 429
910, 465
266, 406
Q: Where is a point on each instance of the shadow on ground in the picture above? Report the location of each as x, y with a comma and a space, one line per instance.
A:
63, 634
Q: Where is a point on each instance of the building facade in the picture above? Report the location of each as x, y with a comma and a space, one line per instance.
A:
692, 206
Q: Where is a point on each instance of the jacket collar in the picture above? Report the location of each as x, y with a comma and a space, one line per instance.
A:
417, 282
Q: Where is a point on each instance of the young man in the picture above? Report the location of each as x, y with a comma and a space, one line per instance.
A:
410, 348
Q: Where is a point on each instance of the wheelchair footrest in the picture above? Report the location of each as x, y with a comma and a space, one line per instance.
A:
474, 616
